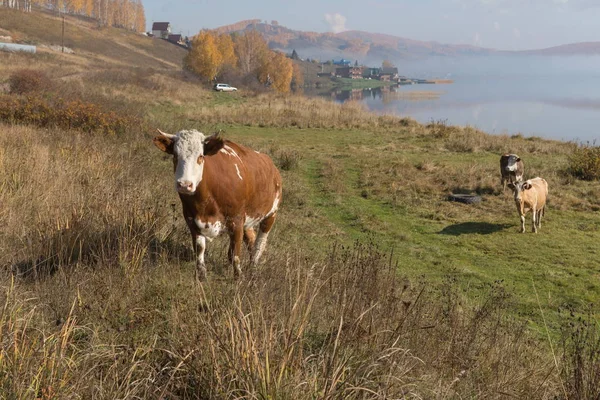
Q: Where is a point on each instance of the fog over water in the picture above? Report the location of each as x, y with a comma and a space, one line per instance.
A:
551, 97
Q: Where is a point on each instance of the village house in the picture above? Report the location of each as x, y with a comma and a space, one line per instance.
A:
388, 74
372, 73
349, 72
177, 39
161, 29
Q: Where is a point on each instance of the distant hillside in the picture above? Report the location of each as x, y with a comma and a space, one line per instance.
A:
364, 46
375, 47
583, 48
90, 44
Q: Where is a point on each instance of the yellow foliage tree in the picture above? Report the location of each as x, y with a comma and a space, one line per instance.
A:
252, 51
227, 50
387, 64
297, 75
204, 57
277, 71
140, 17
88, 7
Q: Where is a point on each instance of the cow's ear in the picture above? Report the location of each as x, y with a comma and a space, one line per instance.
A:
527, 186
164, 143
518, 159
213, 144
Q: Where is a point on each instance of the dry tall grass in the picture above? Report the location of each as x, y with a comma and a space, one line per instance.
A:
295, 111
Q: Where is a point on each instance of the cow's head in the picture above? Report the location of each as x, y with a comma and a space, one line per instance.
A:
511, 165
188, 147
518, 188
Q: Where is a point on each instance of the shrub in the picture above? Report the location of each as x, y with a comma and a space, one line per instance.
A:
76, 114
439, 129
580, 370
584, 162
28, 81
288, 160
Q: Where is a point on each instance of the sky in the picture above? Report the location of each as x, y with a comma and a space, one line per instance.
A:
498, 24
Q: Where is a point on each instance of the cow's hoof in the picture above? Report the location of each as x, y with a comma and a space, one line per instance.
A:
200, 274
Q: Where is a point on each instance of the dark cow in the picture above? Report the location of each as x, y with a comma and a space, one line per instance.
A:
531, 195
223, 186
511, 169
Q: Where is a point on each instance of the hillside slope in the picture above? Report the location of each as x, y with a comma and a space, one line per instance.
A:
582, 48
91, 45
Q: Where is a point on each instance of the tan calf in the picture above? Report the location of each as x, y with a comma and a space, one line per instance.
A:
530, 195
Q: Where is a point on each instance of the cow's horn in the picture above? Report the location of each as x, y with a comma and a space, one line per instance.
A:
166, 134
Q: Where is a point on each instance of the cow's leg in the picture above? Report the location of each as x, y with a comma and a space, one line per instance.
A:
533, 220
522, 216
235, 246
503, 183
539, 218
519, 178
261, 239
249, 239
199, 245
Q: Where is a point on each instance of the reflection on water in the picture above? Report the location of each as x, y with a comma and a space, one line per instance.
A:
558, 99
385, 94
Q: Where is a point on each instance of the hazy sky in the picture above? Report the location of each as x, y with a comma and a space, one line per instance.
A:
500, 24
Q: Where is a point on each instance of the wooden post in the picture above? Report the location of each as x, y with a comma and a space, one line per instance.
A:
63, 33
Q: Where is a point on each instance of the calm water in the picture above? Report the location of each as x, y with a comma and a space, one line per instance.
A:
557, 98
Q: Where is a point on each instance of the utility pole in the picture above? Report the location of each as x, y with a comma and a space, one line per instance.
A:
63, 33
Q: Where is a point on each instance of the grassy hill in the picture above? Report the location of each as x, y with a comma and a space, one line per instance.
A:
373, 284
93, 47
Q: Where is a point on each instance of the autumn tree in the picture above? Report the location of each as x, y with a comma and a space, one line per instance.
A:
204, 58
387, 64
277, 71
252, 51
227, 50
88, 7
139, 22
127, 14
297, 75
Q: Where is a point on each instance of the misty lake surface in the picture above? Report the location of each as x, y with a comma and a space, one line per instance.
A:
550, 97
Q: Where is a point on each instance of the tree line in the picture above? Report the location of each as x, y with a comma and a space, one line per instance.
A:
215, 56
128, 14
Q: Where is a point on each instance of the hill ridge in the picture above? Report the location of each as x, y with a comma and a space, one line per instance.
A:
379, 46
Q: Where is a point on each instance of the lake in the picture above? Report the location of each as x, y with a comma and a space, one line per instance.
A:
550, 97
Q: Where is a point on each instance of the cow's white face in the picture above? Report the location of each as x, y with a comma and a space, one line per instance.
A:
188, 148
513, 159
188, 151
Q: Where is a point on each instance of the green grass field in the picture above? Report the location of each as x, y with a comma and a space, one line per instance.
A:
348, 180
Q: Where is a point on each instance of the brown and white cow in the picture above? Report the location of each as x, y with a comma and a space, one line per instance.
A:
223, 186
531, 195
511, 169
